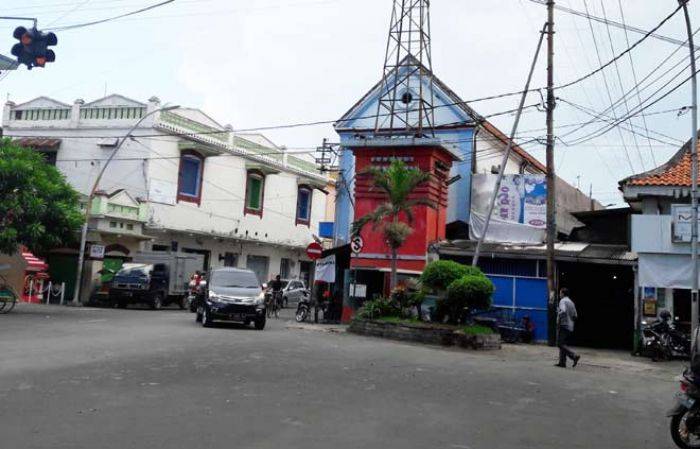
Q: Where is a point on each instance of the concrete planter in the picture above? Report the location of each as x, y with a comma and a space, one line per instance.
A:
425, 333
483, 342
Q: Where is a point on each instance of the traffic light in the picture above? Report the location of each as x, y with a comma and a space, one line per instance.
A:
32, 49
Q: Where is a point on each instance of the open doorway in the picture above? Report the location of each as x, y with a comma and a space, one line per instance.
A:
604, 298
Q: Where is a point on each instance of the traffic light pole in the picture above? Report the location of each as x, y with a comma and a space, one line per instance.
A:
33, 19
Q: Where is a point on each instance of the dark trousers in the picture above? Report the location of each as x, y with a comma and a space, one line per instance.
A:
564, 350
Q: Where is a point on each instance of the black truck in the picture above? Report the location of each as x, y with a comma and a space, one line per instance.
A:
154, 279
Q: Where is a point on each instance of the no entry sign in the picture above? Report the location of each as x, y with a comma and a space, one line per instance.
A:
314, 251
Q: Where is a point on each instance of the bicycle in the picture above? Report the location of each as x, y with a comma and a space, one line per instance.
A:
8, 297
273, 305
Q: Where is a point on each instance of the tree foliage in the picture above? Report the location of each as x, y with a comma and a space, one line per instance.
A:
439, 274
38, 208
398, 181
472, 292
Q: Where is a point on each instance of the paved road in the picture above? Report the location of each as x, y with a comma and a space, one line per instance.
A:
99, 378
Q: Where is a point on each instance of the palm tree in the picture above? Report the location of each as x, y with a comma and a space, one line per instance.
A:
397, 182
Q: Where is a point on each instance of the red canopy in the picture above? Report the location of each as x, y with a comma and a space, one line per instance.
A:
33, 262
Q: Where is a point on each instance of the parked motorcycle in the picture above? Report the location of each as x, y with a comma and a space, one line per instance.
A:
685, 414
303, 307
661, 339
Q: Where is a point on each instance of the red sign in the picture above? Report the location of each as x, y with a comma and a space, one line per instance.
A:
314, 251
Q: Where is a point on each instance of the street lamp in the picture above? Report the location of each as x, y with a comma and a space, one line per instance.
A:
88, 206
694, 174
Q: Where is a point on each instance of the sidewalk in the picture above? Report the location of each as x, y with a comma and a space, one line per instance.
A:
591, 359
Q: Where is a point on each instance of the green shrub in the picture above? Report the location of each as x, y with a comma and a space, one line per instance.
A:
476, 329
438, 275
470, 292
377, 308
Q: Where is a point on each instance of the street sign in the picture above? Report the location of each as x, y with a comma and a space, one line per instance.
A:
97, 251
356, 244
314, 251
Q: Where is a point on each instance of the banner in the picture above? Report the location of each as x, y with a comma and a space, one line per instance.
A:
520, 212
325, 269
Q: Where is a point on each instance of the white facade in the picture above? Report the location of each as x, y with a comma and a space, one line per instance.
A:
148, 167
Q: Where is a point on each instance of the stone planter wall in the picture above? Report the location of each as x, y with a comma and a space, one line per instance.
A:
434, 335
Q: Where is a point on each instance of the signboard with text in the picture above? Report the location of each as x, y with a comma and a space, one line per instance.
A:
682, 215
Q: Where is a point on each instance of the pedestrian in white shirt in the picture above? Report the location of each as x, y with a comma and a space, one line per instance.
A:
566, 317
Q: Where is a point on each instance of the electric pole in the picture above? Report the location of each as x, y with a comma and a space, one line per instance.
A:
551, 197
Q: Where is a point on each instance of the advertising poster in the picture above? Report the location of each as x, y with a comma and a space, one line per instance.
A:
520, 211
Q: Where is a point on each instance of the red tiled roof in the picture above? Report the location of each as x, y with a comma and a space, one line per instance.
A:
675, 172
38, 142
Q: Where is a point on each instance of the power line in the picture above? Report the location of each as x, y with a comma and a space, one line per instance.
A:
110, 19
622, 87
610, 22
631, 127
636, 83
607, 87
636, 87
604, 130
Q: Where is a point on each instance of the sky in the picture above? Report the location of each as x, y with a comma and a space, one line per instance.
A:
274, 62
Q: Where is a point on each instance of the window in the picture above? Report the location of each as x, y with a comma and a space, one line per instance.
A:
129, 227
160, 248
112, 224
190, 178
230, 260
254, 193
304, 196
50, 157
285, 268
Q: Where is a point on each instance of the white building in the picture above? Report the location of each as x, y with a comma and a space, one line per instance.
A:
239, 200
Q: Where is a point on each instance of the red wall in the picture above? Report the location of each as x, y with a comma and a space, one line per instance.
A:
428, 224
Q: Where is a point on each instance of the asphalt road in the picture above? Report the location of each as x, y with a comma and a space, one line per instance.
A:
101, 378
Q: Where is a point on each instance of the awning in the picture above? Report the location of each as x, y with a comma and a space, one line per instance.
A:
38, 142
33, 262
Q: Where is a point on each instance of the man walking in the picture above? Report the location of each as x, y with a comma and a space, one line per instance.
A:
566, 317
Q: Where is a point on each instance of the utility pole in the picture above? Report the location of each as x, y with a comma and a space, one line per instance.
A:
551, 180
506, 153
694, 171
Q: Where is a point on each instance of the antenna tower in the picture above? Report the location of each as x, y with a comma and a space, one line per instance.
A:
407, 91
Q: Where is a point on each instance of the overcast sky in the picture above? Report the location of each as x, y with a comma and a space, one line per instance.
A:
274, 62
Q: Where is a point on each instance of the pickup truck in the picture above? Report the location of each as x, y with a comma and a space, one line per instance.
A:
154, 279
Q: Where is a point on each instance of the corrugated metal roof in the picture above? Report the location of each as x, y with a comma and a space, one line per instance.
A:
563, 251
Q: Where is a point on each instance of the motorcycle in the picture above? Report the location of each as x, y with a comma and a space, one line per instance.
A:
662, 340
303, 308
685, 414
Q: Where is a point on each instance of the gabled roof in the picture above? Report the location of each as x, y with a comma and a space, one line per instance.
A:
122, 197
677, 172
42, 102
497, 133
197, 115
114, 100
450, 110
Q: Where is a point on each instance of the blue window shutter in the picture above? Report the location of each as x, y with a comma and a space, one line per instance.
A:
190, 176
303, 205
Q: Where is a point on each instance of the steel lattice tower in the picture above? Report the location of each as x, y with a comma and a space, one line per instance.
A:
407, 91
